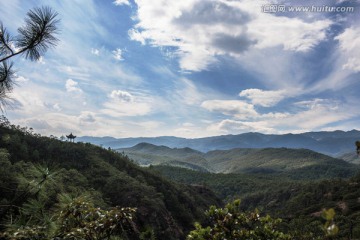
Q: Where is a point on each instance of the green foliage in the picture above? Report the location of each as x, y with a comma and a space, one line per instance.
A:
298, 202
79, 219
231, 223
47, 167
329, 227
73, 219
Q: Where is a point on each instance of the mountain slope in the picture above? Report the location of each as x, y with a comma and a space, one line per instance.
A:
146, 154
167, 208
269, 160
350, 157
330, 143
298, 162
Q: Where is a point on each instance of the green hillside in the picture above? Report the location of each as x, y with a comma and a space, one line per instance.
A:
298, 202
277, 160
146, 154
108, 178
299, 163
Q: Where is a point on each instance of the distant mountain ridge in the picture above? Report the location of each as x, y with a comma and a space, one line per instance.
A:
300, 162
334, 143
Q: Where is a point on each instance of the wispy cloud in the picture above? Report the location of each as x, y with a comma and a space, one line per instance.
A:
236, 108
125, 104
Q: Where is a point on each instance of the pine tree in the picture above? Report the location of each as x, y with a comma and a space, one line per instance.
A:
33, 40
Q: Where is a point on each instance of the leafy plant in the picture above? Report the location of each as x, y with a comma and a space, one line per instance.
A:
231, 223
80, 219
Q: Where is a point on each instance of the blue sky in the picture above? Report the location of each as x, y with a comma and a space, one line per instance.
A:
189, 68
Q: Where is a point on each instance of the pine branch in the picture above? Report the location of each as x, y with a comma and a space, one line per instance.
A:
34, 39
37, 35
5, 40
39, 32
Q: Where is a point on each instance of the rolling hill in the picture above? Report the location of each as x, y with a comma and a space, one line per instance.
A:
332, 143
146, 154
267, 160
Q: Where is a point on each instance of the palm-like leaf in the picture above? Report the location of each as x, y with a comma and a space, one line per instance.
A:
39, 32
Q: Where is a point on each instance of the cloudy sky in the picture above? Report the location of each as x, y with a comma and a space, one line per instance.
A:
189, 68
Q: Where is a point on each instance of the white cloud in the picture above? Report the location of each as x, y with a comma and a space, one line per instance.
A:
307, 115
95, 51
238, 109
203, 30
87, 117
125, 104
136, 36
121, 2
349, 42
263, 98
229, 126
72, 86
293, 34
123, 96
117, 53
121, 109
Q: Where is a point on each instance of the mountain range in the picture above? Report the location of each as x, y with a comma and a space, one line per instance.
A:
296, 162
333, 143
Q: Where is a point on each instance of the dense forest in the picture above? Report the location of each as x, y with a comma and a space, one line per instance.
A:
38, 174
298, 201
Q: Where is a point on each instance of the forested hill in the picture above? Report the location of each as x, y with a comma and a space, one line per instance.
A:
333, 143
298, 203
165, 209
299, 163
